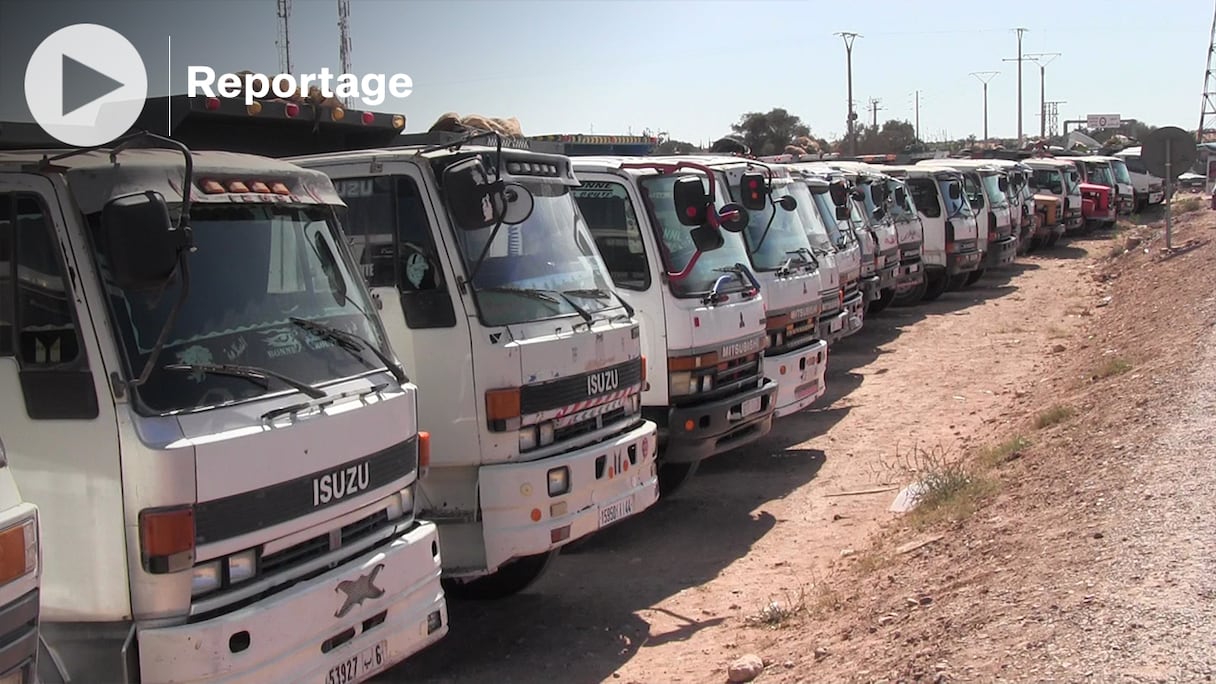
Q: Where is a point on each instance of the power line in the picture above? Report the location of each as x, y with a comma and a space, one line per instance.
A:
984, 77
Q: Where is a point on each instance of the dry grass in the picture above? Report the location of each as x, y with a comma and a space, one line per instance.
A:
1055, 332
1053, 416
1187, 205
779, 612
999, 454
1111, 367
951, 488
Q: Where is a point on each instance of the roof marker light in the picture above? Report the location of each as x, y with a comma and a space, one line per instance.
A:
337, 114
398, 121
292, 109
237, 186
258, 186
212, 104
211, 187
368, 118
280, 189
254, 109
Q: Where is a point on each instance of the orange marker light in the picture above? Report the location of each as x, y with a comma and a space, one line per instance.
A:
280, 189
689, 425
211, 187
18, 551
424, 450
237, 186
166, 539
259, 186
535, 515
503, 404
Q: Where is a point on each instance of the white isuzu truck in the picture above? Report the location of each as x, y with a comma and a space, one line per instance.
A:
531, 363
985, 187
684, 269
20, 557
951, 250
199, 397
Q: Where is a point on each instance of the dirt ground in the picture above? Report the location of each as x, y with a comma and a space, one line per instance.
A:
1079, 549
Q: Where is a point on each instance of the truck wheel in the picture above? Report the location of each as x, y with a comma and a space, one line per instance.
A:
957, 281
935, 288
508, 580
876, 306
974, 276
913, 296
673, 476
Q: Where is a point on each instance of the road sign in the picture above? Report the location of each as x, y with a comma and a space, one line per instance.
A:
1181, 150
1096, 122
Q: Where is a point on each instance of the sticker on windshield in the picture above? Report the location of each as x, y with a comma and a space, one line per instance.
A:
195, 355
416, 267
281, 342
234, 350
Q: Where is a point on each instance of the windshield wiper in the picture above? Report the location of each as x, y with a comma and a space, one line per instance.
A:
736, 271
352, 343
803, 251
544, 296
597, 293
252, 373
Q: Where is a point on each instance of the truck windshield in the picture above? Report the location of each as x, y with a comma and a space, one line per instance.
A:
954, 207
678, 246
900, 214
826, 211
1048, 180
973, 190
992, 190
1121, 173
785, 234
256, 267
1099, 174
808, 215
530, 266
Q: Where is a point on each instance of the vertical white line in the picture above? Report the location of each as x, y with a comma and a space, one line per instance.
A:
169, 92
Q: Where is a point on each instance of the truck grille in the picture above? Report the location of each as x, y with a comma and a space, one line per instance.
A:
909, 254
730, 377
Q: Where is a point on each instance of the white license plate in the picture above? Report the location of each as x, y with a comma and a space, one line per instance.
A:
1156, 197
913, 268
616, 511
751, 406
359, 666
836, 325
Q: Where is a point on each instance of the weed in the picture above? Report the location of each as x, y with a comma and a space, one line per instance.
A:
1187, 205
777, 613
950, 489
1111, 367
1053, 416
872, 561
1004, 452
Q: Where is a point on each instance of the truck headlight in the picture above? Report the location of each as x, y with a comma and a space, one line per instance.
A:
534, 436
559, 481
242, 566
407, 499
206, 578
682, 382
707, 383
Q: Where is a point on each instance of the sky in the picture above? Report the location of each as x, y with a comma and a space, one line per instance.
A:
689, 68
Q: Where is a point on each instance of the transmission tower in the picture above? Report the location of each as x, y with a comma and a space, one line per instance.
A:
874, 109
1208, 111
1053, 116
282, 41
344, 40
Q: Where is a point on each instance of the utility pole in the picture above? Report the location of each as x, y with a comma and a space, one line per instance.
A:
849, 37
1019, 59
344, 48
1043, 59
984, 77
874, 109
918, 115
1208, 109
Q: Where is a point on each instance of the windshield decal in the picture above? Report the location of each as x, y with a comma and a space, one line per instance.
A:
281, 342
193, 356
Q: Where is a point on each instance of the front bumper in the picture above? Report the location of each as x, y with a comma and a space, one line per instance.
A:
19, 643
963, 262
910, 274
871, 288
830, 327
302, 635
1074, 220
696, 432
608, 481
888, 274
855, 306
1156, 197
1126, 205
1002, 252
799, 375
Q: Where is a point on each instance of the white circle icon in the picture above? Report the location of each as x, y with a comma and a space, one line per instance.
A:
85, 84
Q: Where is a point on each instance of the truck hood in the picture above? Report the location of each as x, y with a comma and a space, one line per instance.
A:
909, 232
782, 294
692, 325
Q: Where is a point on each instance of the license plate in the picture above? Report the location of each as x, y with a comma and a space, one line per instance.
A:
616, 511
1156, 197
751, 406
359, 666
913, 268
836, 325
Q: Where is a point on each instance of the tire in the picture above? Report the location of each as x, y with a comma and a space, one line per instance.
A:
876, 306
912, 297
935, 288
957, 281
508, 580
673, 476
974, 276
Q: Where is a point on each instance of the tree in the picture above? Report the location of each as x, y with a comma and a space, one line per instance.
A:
769, 133
894, 137
669, 147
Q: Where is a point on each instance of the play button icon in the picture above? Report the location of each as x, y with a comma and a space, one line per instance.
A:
85, 84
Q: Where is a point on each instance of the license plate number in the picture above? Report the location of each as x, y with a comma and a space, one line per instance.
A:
616, 511
359, 666
751, 406
913, 268
836, 325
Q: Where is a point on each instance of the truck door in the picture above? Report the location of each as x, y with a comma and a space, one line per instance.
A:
56, 415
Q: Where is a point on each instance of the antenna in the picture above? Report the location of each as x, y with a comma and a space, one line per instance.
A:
344, 41
1207, 112
282, 41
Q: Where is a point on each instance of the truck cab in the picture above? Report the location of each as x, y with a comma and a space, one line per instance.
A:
20, 573
985, 187
881, 229
1147, 188
1124, 183
702, 311
854, 230
1059, 179
893, 225
199, 397
531, 361
1099, 187
951, 251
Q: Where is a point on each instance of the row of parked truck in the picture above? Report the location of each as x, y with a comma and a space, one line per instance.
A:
276, 387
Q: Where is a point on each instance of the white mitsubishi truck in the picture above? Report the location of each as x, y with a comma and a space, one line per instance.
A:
198, 395
951, 250
532, 364
684, 268
985, 187
20, 558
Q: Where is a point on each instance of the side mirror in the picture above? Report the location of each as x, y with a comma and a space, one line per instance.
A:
140, 240
740, 220
753, 188
843, 214
1003, 183
879, 192
901, 197
691, 200
879, 213
956, 192
471, 198
1057, 189
858, 194
519, 204
706, 238
839, 194
788, 203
